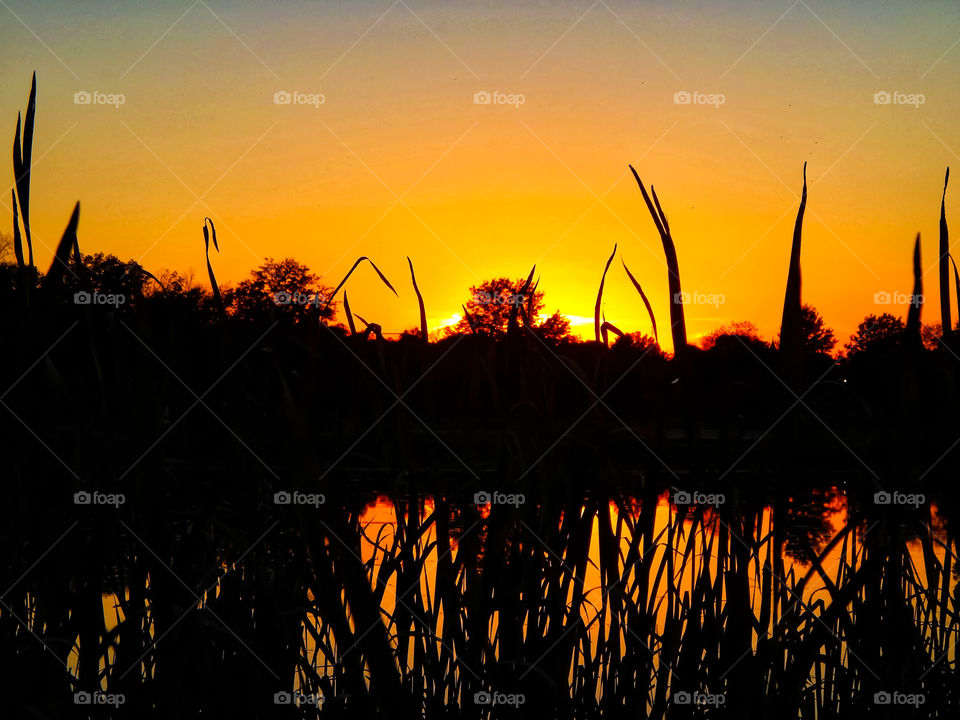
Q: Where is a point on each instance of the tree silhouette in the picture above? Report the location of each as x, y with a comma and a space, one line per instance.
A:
282, 288
107, 274
745, 330
555, 328
490, 304
874, 332
817, 337
7, 254
638, 341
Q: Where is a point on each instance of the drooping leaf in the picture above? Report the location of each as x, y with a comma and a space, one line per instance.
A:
206, 246
423, 311
596, 309
347, 277
646, 302
369, 328
608, 327
150, 275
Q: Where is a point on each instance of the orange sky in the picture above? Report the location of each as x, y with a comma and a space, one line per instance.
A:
399, 160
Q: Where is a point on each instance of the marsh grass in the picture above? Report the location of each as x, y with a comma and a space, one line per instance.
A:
594, 598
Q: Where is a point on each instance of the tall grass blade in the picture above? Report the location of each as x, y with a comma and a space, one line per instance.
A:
791, 340
17, 241
416, 289
512, 325
956, 279
347, 277
646, 302
68, 242
346, 309
470, 321
596, 308
945, 320
528, 317
678, 323
206, 246
912, 330
22, 160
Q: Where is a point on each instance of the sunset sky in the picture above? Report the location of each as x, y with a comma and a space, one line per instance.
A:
400, 160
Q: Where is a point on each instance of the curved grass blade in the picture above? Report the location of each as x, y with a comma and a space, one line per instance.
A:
791, 340
643, 297
610, 327
347, 277
945, 320
956, 277
369, 328
17, 241
678, 325
206, 246
346, 309
146, 273
23, 190
68, 242
606, 328
22, 161
596, 309
423, 312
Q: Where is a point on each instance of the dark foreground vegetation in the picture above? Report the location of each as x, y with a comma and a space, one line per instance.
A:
203, 460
